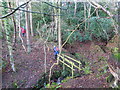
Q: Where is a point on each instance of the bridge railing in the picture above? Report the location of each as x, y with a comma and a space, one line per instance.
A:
70, 63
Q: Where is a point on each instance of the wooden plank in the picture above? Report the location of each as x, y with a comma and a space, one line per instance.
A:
65, 59
77, 67
72, 58
72, 70
67, 65
70, 62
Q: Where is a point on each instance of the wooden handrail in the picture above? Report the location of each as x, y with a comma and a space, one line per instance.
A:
70, 62
72, 59
67, 65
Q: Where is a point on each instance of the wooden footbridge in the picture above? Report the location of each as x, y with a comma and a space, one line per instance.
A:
69, 62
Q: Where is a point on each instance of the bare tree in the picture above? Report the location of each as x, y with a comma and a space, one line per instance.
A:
19, 25
85, 14
6, 26
56, 21
9, 44
59, 29
27, 30
89, 10
75, 8
14, 23
31, 25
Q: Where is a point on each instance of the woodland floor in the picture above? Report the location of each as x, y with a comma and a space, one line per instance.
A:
93, 53
31, 66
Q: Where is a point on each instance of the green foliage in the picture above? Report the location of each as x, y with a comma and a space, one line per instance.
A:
101, 28
15, 85
53, 86
103, 70
77, 56
65, 73
109, 78
70, 22
56, 74
43, 8
66, 79
116, 54
75, 36
86, 68
4, 11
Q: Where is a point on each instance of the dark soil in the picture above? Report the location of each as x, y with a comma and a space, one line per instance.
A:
87, 81
31, 66
93, 53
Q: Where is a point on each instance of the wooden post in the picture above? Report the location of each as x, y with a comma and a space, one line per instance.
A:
72, 70
63, 62
58, 57
79, 67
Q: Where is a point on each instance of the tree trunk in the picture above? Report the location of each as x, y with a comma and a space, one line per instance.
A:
14, 24
18, 25
89, 10
9, 44
31, 25
75, 8
85, 14
56, 22
6, 24
59, 30
27, 30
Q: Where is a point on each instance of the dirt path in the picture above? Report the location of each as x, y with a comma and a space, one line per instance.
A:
88, 81
29, 67
97, 59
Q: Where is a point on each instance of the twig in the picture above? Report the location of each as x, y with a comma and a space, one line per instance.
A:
98, 6
77, 27
14, 10
33, 11
55, 6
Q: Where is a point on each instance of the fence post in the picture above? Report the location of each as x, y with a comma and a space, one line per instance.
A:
58, 56
63, 62
79, 67
72, 70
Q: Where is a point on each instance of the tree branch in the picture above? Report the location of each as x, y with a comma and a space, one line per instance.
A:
14, 10
33, 11
54, 6
96, 5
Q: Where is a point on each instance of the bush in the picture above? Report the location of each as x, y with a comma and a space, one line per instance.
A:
101, 28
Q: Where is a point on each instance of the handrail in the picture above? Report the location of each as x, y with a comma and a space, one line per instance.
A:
65, 59
67, 65
72, 59
70, 62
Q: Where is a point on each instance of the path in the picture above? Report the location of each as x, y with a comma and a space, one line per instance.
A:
97, 59
29, 67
